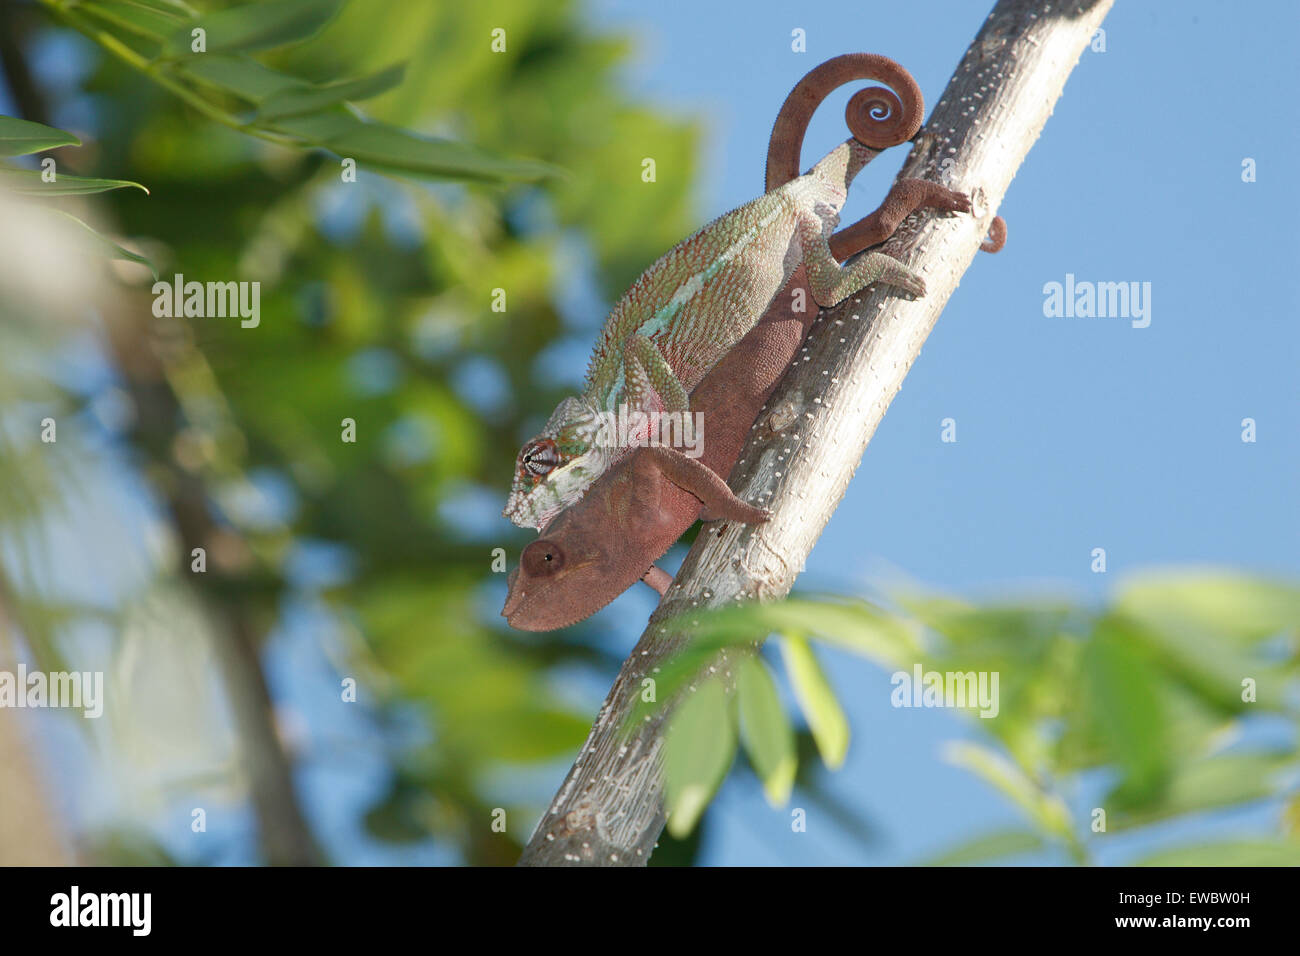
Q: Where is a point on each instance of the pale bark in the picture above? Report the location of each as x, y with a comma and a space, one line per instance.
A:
812, 433
30, 830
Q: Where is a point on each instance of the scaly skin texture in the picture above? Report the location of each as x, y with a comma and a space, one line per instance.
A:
602, 545
697, 301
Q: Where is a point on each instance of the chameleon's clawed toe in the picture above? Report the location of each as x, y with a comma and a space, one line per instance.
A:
913, 284
957, 202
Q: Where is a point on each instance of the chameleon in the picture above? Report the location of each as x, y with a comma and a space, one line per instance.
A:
601, 546
700, 298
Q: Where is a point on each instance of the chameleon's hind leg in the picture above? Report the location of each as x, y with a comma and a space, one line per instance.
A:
832, 283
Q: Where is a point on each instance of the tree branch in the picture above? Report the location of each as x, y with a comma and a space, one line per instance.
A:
609, 810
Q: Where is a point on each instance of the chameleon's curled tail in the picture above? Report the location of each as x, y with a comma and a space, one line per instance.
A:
997, 237
877, 117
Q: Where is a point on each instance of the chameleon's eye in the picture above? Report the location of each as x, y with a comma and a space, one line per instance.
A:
542, 558
540, 457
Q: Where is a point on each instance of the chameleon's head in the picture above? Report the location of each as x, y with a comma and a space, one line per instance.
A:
554, 469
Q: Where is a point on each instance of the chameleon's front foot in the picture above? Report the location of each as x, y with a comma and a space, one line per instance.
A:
911, 282
692, 475
949, 200
892, 272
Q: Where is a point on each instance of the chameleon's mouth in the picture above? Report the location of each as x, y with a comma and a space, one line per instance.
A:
541, 599
515, 613
518, 617
514, 597
525, 611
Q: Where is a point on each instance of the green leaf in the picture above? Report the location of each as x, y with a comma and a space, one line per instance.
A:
765, 731
981, 631
151, 20
1221, 781
699, 747
396, 149
852, 624
18, 137
318, 128
1212, 666
826, 720
393, 149
293, 102
1125, 702
254, 26
688, 663
241, 75
990, 846
1228, 853
28, 182
113, 250
1224, 603
1047, 810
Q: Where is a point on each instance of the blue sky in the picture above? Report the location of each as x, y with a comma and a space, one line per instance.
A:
1072, 433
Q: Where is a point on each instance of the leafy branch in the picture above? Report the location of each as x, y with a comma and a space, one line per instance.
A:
1145, 690
204, 61
20, 137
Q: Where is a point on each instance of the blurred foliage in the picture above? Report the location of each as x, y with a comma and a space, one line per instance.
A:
375, 306
1156, 693
20, 137
204, 60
